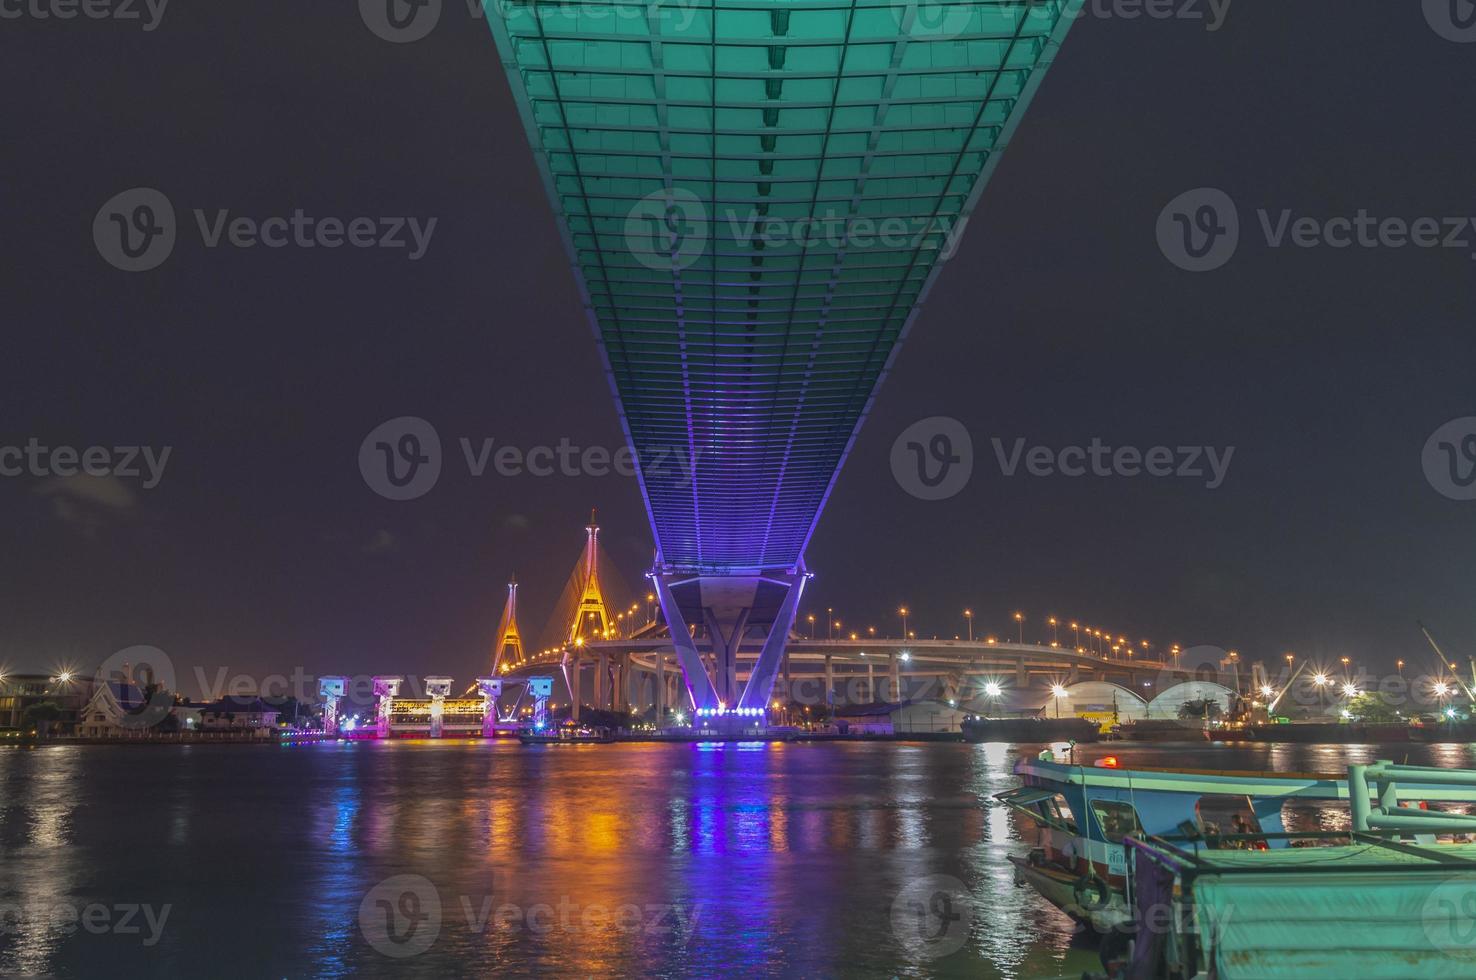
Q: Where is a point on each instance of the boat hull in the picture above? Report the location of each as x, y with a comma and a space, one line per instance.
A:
1058, 886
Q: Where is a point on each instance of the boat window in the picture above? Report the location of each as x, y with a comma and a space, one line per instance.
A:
1117, 820
1059, 811
1220, 813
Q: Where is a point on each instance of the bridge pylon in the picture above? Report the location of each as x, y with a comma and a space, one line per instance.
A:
509, 639
591, 616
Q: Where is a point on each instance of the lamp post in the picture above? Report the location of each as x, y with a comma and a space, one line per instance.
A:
1076, 635
1020, 626
811, 618
830, 623
1055, 638
969, 616
902, 611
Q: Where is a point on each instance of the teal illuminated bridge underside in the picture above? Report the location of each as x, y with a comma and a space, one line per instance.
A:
756, 196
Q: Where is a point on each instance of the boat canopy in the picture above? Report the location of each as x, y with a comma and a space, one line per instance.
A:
1374, 909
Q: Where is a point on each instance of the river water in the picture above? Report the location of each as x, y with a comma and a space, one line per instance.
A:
420, 858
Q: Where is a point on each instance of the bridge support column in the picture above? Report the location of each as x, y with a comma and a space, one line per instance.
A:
572, 666
766, 668
658, 694
602, 681
896, 665
699, 686
871, 682
725, 644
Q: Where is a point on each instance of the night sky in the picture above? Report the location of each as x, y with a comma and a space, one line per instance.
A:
262, 549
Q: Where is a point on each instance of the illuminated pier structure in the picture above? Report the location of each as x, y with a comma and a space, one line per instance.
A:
437, 714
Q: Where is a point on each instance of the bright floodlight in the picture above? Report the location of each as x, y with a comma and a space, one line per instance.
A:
993, 690
1321, 680
1351, 690
1058, 691
1267, 690
1441, 690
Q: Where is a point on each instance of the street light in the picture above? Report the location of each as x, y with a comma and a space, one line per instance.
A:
1076, 635
903, 612
1020, 623
1051, 622
830, 618
992, 690
1399, 666
969, 615
811, 618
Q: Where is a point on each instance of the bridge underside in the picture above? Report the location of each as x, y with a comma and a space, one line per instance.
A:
755, 197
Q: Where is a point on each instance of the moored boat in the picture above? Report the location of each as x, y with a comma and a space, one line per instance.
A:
565, 736
1086, 813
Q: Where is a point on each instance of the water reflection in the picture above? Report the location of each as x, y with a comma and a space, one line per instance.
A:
763, 860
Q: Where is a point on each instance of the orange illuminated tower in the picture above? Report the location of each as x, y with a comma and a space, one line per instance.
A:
591, 617
509, 651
